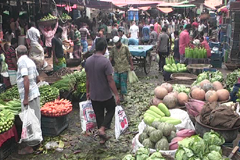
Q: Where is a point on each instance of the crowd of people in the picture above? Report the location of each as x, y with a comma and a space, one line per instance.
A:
107, 71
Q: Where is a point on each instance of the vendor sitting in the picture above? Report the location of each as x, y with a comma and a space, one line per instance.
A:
235, 90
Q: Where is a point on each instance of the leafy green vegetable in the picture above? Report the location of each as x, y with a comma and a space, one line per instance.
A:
156, 156
47, 94
213, 155
232, 79
142, 153
10, 94
128, 157
213, 138
215, 148
181, 88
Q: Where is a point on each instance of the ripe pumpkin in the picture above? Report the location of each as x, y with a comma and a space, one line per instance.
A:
174, 93
194, 87
223, 94
160, 92
207, 86
217, 85
168, 86
204, 82
211, 96
182, 98
198, 94
170, 101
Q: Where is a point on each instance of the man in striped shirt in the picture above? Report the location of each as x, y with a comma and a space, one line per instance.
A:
84, 33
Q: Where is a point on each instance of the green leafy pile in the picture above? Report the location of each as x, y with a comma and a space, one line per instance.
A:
197, 148
65, 16
48, 94
13, 106
10, 94
144, 154
181, 88
232, 79
72, 82
211, 76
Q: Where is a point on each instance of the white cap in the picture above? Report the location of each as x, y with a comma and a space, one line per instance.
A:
116, 39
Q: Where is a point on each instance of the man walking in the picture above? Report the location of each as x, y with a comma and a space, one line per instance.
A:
162, 47
27, 79
184, 40
84, 33
33, 42
146, 34
100, 85
153, 36
77, 43
121, 34
134, 31
121, 59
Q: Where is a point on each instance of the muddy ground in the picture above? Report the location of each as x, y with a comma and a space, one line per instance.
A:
78, 146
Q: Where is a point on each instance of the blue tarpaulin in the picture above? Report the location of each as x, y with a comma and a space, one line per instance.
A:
140, 50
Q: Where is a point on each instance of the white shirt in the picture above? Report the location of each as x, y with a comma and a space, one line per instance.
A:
134, 31
33, 34
201, 27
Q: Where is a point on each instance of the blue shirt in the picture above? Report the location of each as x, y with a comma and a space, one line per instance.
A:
132, 41
26, 67
146, 33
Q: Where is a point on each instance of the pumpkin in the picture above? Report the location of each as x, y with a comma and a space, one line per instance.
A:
174, 93
168, 87
204, 82
198, 94
194, 87
170, 101
211, 96
207, 86
156, 101
223, 94
160, 92
182, 98
217, 85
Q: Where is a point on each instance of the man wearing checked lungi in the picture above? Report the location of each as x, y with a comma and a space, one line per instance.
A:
122, 62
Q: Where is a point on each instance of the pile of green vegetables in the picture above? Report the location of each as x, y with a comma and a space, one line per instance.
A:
6, 120
10, 94
211, 76
195, 53
48, 94
158, 135
181, 88
72, 82
144, 154
13, 106
65, 16
171, 66
232, 78
197, 148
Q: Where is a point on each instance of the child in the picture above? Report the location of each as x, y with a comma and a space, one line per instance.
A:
176, 47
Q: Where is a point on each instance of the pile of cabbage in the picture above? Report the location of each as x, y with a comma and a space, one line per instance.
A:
144, 154
197, 148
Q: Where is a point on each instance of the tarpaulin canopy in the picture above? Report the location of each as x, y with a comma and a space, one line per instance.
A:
165, 10
91, 4
144, 8
133, 3
184, 6
212, 3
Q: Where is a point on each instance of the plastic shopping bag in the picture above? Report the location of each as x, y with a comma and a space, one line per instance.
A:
121, 122
132, 77
31, 129
87, 115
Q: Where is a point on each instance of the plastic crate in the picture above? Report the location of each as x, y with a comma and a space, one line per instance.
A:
53, 126
215, 56
7, 148
216, 63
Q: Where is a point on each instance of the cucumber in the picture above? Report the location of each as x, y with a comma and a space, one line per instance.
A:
153, 114
174, 121
164, 109
157, 110
164, 119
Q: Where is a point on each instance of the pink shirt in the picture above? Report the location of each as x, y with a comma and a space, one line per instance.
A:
206, 46
184, 40
157, 28
49, 35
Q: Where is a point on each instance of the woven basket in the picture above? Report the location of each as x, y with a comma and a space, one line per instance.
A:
227, 151
197, 68
232, 66
183, 76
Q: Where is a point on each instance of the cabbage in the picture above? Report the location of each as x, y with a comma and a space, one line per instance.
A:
128, 157
183, 154
215, 148
155, 136
213, 138
214, 156
142, 153
156, 156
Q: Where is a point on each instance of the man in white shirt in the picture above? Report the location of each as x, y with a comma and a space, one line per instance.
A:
201, 27
33, 42
134, 31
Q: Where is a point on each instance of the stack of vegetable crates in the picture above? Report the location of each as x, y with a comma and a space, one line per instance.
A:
216, 60
53, 126
7, 148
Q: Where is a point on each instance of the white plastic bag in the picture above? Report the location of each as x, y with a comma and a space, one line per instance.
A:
121, 122
132, 77
87, 116
31, 129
